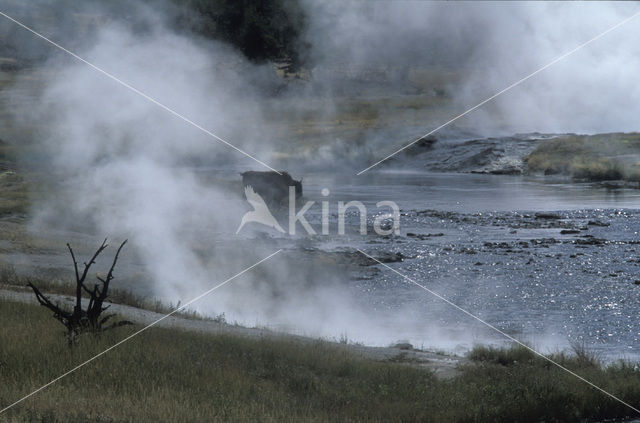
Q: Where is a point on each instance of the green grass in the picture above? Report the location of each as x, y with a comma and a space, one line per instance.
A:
599, 157
173, 375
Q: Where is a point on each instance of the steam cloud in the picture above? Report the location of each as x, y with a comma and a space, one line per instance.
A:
494, 45
127, 170
126, 164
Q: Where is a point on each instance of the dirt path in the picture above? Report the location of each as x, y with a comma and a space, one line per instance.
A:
444, 366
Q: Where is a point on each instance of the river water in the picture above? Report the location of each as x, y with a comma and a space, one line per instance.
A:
549, 279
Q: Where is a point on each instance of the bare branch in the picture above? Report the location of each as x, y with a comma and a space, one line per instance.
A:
87, 266
105, 318
78, 283
80, 279
75, 263
90, 319
115, 260
87, 290
105, 282
59, 313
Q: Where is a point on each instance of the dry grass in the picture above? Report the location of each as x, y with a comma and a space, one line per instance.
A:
172, 375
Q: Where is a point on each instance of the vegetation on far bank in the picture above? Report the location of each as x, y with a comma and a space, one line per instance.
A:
174, 375
601, 157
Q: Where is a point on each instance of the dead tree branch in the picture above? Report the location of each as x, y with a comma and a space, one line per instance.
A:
89, 320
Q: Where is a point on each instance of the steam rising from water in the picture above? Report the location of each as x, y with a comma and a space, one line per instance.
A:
493, 45
124, 161
127, 171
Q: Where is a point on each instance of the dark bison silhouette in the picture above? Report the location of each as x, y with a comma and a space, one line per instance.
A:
271, 186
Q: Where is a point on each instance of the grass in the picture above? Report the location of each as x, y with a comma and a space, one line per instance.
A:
9, 279
173, 375
14, 190
18, 185
580, 358
599, 157
14, 197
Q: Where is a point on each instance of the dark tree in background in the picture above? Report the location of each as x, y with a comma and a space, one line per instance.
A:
263, 30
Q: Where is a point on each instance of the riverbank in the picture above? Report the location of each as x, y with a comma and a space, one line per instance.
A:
169, 374
442, 365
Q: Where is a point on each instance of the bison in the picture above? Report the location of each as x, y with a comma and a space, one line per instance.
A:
271, 186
